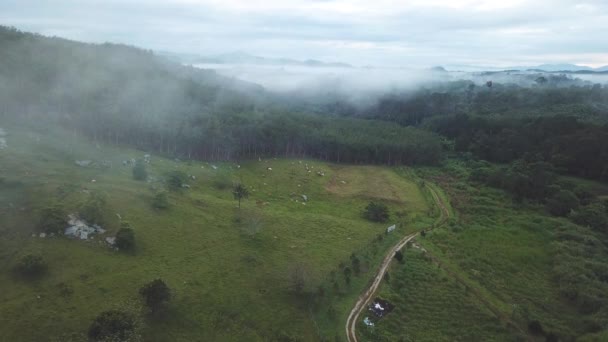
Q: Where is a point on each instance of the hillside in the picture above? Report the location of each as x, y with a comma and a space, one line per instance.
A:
124, 95
230, 269
150, 201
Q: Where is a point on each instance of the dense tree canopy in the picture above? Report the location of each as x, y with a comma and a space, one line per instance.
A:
124, 95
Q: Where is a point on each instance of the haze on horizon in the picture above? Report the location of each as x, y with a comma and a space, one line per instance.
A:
417, 33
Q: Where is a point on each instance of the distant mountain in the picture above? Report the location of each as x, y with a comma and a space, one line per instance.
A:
561, 67
569, 68
240, 57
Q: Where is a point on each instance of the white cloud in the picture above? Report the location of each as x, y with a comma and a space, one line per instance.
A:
413, 32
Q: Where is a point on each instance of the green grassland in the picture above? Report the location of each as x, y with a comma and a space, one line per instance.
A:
430, 306
502, 264
231, 282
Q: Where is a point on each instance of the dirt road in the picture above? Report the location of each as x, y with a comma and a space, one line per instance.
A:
353, 317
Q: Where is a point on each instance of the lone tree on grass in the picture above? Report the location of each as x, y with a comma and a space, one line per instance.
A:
139, 171
125, 237
112, 325
377, 212
240, 192
156, 294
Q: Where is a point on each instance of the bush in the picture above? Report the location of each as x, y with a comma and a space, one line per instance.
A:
125, 238
93, 210
112, 325
53, 219
376, 212
584, 196
399, 256
562, 203
31, 266
535, 328
551, 337
347, 273
156, 294
160, 201
593, 215
139, 171
175, 179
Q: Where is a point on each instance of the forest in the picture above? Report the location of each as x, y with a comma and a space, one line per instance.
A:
124, 95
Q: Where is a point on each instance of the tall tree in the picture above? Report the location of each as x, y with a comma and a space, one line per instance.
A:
240, 192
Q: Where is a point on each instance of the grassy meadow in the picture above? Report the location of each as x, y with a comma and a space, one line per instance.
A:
229, 268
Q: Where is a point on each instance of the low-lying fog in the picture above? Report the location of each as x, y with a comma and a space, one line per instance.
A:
288, 78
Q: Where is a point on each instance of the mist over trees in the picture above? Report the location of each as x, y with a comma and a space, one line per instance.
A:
123, 95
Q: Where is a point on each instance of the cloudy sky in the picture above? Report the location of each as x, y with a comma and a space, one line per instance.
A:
377, 32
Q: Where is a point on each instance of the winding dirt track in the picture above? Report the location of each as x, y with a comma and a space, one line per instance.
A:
351, 322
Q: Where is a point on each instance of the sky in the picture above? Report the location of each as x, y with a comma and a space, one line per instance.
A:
414, 33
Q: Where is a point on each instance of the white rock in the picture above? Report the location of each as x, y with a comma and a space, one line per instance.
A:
80, 229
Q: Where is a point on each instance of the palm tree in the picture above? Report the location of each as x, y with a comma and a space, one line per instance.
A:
240, 192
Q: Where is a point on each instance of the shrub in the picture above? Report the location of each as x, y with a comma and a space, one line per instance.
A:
53, 219
399, 256
125, 237
160, 201
593, 215
139, 171
31, 265
584, 196
93, 210
347, 273
377, 212
112, 325
535, 328
551, 337
562, 203
156, 294
175, 179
